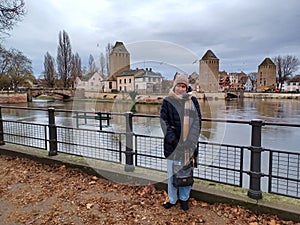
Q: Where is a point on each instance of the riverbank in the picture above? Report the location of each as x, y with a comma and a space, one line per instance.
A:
152, 98
272, 95
13, 97
157, 98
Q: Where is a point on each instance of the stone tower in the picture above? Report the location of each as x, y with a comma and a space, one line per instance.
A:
209, 72
266, 76
119, 59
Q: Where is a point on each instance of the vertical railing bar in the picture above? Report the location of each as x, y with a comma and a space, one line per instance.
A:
135, 150
46, 136
120, 148
287, 173
241, 165
298, 175
270, 171
77, 119
1, 128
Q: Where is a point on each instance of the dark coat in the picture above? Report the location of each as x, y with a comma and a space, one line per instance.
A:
171, 117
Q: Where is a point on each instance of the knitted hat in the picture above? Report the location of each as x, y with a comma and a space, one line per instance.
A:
181, 79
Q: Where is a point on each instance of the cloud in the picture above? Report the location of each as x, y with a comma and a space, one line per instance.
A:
240, 33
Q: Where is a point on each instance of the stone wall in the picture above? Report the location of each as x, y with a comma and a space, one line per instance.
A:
13, 98
272, 95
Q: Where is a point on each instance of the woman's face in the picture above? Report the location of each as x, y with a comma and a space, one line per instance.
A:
180, 89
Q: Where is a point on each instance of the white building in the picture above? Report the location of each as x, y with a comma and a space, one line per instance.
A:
293, 85
148, 82
248, 85
91, 82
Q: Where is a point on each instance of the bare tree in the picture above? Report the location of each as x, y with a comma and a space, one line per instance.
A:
15, 69
92, 64
108, 48
76, 70
64, 57
102, 63
20, 69
285, 66
5, 60
49, 72
11, 12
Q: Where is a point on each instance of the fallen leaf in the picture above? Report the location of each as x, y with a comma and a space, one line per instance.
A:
89, 205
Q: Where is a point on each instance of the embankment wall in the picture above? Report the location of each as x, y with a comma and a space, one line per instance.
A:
13, 98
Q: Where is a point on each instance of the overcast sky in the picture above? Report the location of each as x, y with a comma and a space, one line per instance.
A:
241, 33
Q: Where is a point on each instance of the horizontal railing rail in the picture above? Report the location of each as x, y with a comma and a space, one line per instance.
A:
25, 133
245, 166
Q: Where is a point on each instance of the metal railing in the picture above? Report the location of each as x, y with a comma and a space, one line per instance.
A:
235, 165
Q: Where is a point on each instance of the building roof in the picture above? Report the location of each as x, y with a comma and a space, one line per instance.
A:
295, 79
148, 73
130, 73
119, 48
112, 77
266, 62
86, 77
209, 55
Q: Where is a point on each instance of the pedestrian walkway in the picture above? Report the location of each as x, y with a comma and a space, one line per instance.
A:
204, 193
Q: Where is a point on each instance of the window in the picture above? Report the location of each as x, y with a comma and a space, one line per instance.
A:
125, 81
120, 81
130, 80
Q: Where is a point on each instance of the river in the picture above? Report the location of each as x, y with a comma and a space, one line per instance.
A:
271, 110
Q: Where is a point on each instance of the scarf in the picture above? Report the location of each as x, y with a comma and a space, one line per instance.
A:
186, 116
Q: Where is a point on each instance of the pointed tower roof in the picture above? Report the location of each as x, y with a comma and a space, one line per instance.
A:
209, 55
267, 62
119, 48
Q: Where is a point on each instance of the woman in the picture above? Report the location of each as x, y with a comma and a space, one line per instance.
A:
180, 118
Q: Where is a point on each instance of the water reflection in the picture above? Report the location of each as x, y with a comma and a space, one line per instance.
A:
271, 110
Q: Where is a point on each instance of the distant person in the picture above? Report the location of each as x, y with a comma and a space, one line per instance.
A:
180, 118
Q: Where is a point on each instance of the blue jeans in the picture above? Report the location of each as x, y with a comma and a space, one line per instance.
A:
173, 192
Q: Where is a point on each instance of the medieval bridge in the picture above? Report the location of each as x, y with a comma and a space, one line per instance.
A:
66, 93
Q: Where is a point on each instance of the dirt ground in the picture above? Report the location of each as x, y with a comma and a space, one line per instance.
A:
33, 193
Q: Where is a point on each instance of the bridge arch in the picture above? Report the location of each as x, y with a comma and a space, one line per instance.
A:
35, 92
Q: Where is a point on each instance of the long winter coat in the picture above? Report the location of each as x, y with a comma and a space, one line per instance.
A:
171, 118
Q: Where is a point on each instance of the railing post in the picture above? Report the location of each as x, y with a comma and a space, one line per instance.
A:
129, 167
52, 133
1, 129
100, 120
77, 119
255, 164
108, 116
